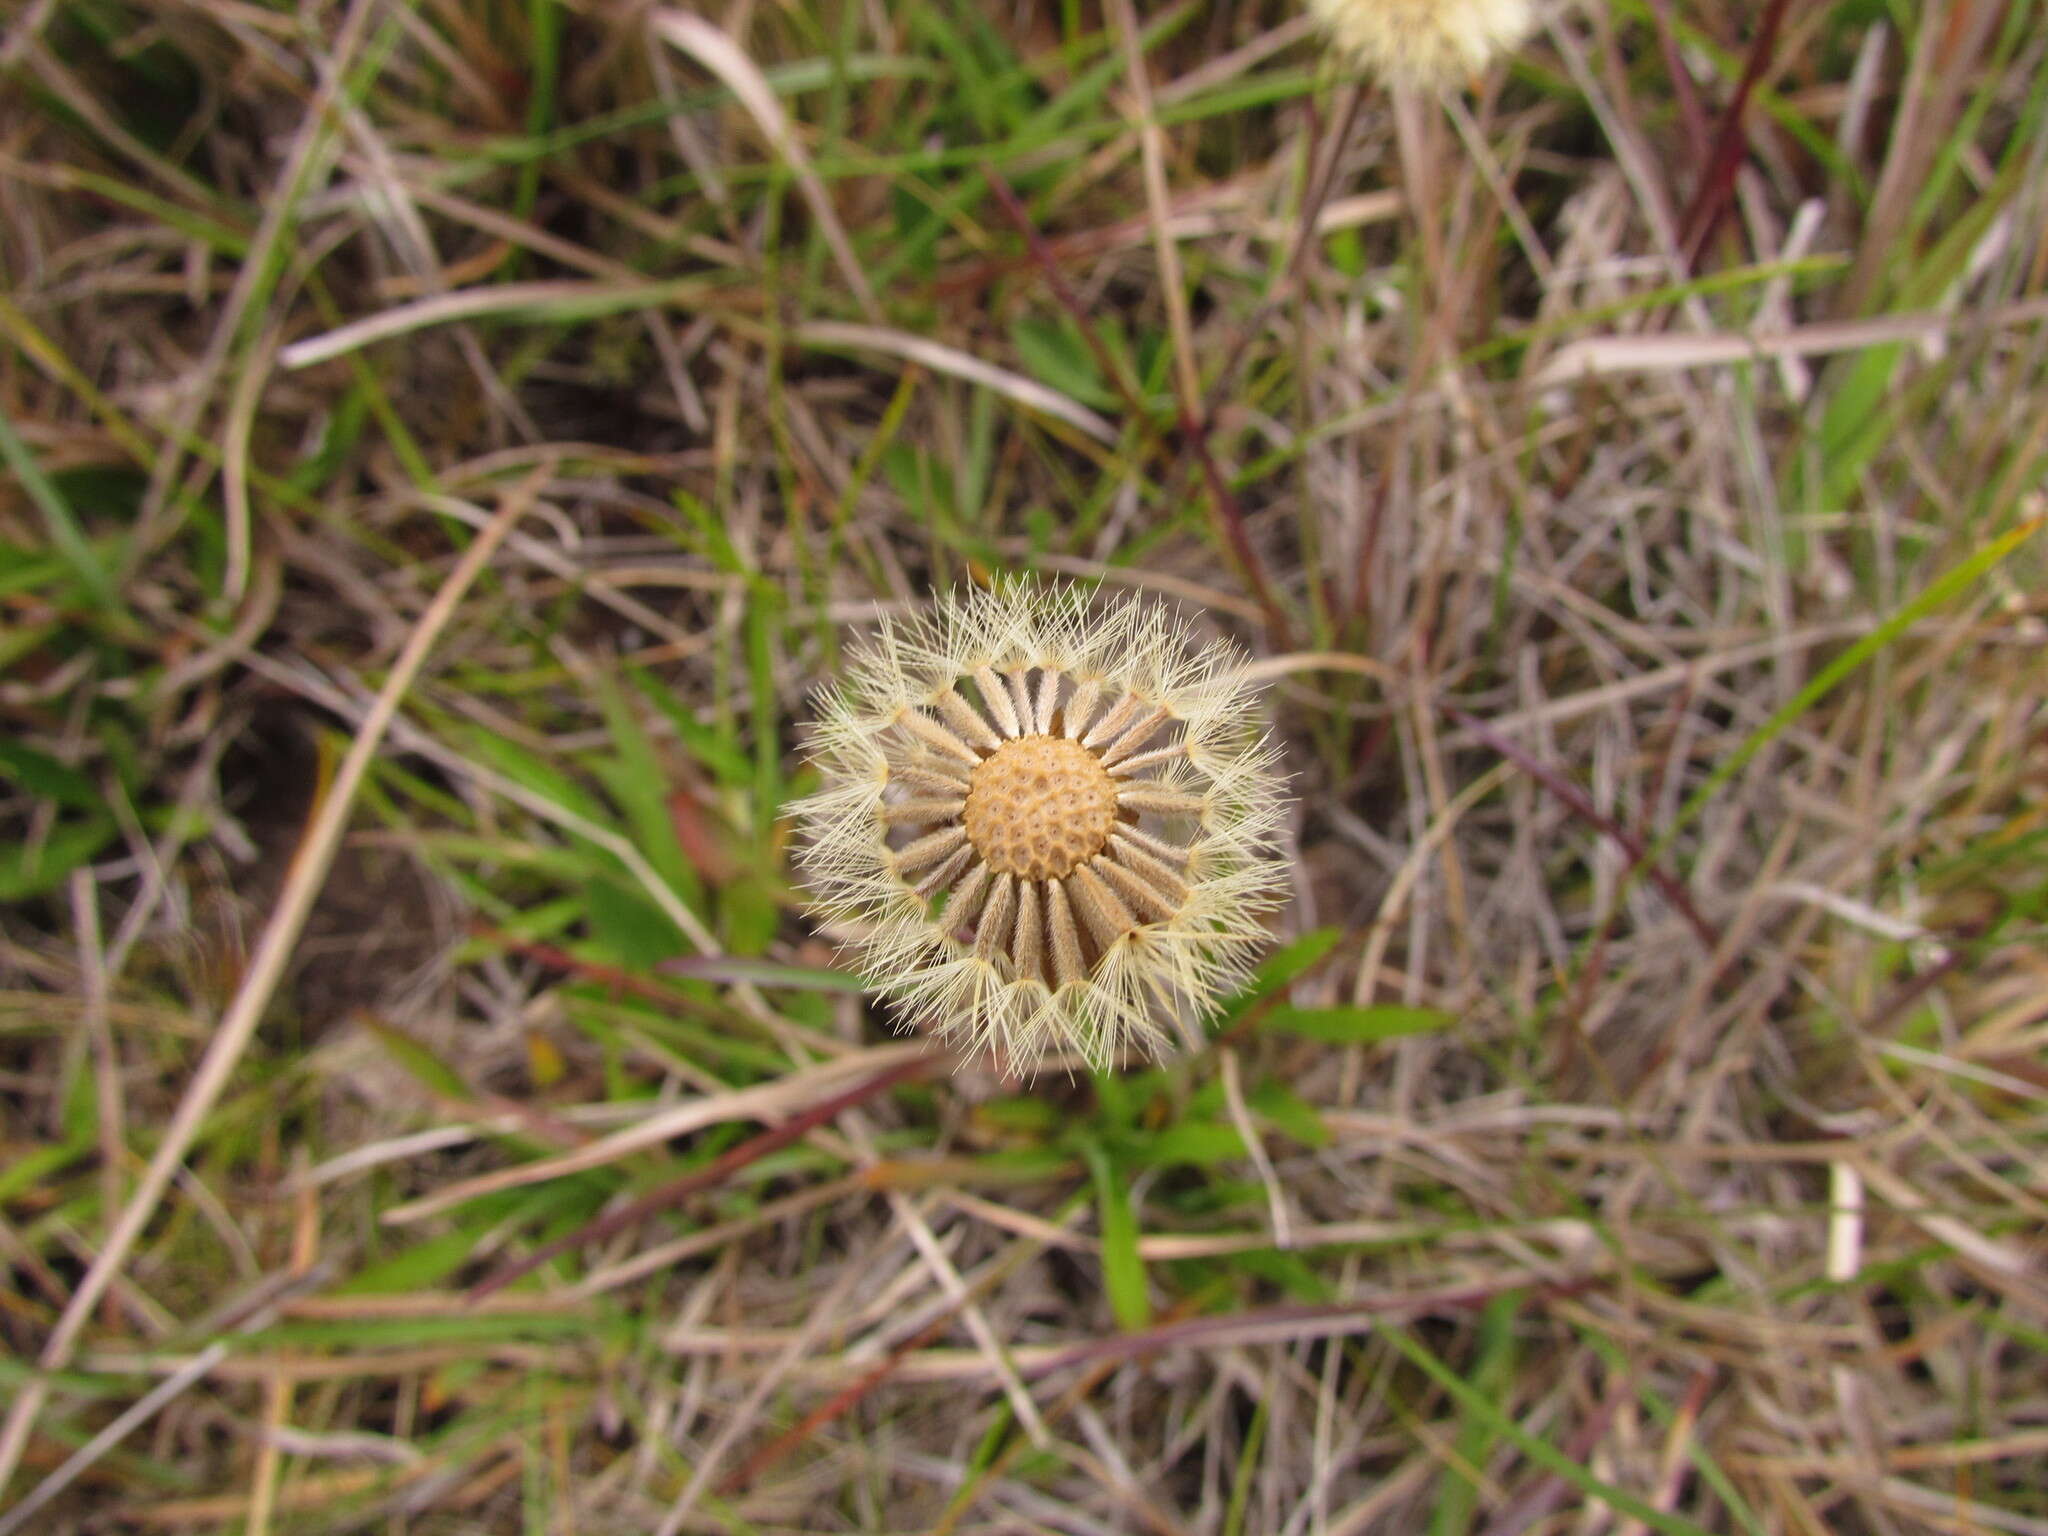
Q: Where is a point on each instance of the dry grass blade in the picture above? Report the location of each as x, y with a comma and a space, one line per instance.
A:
561, 299
789, 1095
252, 278
718, 53
1638, 850
260, 1310
711, 1176
1602, 355
131, 1418
1194, 423
309, 869
1294, 1322
949, 360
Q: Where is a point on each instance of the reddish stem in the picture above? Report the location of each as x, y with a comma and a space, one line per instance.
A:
1194, 434
1582, 805
1731, 144
1690, 113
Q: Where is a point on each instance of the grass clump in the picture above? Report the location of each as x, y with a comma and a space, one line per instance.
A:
446, 445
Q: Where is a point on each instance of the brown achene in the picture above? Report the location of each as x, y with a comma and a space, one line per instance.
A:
1039, 807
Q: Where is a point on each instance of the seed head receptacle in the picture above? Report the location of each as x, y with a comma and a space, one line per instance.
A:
1049, 820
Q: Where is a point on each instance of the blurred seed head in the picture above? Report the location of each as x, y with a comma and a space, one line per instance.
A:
1048, 822
1426, 42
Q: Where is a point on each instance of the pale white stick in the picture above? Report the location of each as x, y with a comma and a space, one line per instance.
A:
1241, 1117
941, 358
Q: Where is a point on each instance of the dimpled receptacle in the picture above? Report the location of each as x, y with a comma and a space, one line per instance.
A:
1040, 806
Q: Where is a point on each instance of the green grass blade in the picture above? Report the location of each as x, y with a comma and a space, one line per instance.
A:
1481, 1409
66, 536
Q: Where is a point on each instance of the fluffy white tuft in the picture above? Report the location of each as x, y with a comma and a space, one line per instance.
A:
1426, 42
1164, 918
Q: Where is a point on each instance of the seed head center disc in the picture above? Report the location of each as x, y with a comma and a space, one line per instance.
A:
1039, 806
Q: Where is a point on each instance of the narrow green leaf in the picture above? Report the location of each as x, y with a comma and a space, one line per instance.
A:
1248, 1464
1459, 1499
764, 629
43, 775
636, 779
764, 973
1115, 1103
30, 869
1022, 1115
1944, 589
1290, 1114
24, 570
1286, 965
1123, 1272
421, 1062
715, 749
1344, 1024
1057, 354
65, 534
1482, 1408
530, 772
634, 933
1199, 1142
416, 1268
35, 1166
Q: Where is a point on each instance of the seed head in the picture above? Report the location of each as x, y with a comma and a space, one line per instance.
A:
1050, 822
1426, 42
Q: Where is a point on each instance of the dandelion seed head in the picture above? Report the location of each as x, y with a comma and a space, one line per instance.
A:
1426, 42
1050, 821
